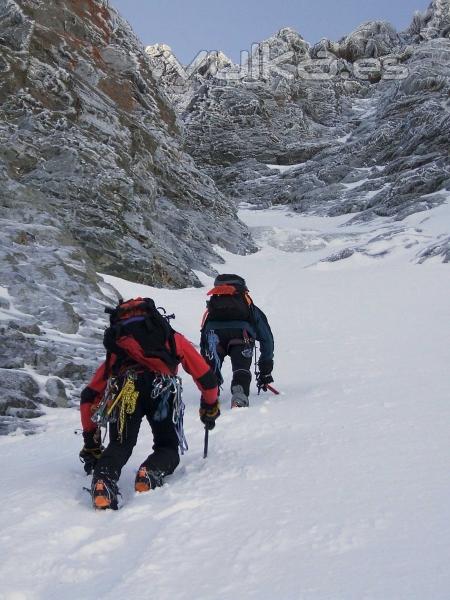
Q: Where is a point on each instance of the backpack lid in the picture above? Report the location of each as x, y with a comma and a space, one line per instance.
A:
142, 320
230, 279
223, 290
136, 307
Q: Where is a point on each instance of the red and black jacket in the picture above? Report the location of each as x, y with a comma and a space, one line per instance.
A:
193, 363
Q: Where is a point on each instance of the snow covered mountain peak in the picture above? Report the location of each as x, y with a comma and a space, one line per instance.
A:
291, 37
358, 126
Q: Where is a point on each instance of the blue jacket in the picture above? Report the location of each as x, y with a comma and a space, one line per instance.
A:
258, 328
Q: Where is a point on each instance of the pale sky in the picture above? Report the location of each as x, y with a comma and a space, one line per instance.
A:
189, 26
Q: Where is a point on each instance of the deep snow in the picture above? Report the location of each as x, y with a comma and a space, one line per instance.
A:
338, 489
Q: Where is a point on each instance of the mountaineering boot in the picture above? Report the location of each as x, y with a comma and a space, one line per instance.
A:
238, 399
104, 494
147, 480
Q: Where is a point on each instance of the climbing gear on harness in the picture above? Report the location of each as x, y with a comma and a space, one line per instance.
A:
117, 402
212, 354
120, 401
100, 416
249, 342
163, 388
169, 391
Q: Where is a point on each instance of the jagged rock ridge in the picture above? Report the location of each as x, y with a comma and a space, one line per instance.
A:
363, 124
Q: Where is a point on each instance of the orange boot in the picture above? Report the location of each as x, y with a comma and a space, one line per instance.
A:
104, 494
147, 480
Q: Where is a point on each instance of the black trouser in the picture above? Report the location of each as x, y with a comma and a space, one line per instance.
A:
239, 348
164, 458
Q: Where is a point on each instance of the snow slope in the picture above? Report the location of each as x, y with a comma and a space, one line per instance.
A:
336, 490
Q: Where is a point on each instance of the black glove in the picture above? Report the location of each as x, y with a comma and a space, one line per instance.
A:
265, 374
263, 381
92, 450
209, 413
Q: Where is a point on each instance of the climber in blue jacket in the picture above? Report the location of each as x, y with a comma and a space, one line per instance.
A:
231, 325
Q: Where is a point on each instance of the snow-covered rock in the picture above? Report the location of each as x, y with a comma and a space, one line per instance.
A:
370, 40
181, 82
93, 178
433, 23
364, 123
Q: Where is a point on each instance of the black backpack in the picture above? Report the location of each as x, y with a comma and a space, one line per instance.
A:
140, 319
230, 300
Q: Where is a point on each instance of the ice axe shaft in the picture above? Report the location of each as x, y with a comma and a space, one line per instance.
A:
205, 446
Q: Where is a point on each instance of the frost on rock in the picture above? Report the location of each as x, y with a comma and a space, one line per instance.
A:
433, 23
364, 121
93, 178
180, 82
370, 40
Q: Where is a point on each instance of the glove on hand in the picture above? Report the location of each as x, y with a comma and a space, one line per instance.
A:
209, 413
263, 381
92, 450
264, 377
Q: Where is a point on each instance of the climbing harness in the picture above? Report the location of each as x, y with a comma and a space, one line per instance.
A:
163, 388
119, 401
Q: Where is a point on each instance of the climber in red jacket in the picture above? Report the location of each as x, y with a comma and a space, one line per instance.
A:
137, 379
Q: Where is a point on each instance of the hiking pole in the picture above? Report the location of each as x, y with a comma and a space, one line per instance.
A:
205, 447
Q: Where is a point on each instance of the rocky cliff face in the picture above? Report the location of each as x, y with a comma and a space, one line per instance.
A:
356, 126
433, 23
93, 179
